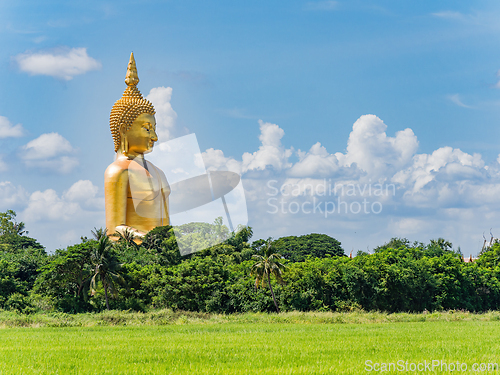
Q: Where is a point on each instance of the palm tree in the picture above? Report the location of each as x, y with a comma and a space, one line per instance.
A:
106, 266
99, 233
267, 265
128, 237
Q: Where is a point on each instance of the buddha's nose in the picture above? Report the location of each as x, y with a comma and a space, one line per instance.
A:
154, 136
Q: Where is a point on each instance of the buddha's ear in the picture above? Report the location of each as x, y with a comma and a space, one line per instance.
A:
123, 143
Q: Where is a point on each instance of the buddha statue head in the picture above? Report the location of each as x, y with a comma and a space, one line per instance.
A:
132, 121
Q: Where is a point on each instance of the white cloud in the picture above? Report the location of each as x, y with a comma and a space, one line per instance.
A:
64, 63
165, 115
316, 162
85, 193
445, 165
49, 151
376, 153
46, 146
215, 160
7, 129
369, 151
271, 153
47, 205
11, 196
81, 191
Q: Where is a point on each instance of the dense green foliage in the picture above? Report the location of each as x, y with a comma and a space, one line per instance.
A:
298, 249
20, 260
399, 276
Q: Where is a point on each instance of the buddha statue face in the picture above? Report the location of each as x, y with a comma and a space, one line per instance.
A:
142, 135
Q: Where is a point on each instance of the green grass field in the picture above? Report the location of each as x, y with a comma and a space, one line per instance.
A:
289, 343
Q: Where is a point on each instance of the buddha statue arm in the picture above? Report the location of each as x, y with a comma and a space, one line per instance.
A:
115, 188
165, 192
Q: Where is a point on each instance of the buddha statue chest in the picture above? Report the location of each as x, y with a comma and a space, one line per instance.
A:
144, 181
148, 190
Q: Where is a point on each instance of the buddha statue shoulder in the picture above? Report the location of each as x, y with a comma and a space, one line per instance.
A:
136, 192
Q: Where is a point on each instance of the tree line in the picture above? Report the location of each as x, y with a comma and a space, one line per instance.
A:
305, 273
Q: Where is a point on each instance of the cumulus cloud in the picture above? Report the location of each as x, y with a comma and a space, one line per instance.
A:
64, 63
165, 115
215, 160
81, 191
48, 205
46, 146
444, 164
369, 151
84, 192
11, 196
316, 162
49, 151
376, 153
448, 177
271, 153
7, 129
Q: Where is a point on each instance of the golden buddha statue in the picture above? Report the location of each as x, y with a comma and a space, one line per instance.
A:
136, 192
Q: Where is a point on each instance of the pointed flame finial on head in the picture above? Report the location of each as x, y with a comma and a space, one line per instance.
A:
131, 79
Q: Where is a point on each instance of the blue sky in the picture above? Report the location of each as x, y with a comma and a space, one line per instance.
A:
308, 70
